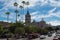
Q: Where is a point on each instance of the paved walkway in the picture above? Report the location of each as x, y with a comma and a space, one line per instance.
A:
47, 38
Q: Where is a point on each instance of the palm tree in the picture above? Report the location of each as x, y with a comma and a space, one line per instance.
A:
21, 10
23, 5
27, 3
18, 15
16, 4
7, 13
23, 2
16, 11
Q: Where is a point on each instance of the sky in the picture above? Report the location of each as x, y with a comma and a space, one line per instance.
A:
47, 9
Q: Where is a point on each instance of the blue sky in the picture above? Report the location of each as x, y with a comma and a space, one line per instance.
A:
47, 9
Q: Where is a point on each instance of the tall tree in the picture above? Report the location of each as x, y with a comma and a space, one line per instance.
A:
23, 2
27, 3
16, 4
1, 30
7, 13
23, 5
18, 16
16, 11
20, 30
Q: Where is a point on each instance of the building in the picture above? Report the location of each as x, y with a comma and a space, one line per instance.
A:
41, 24
4, 24
27, 19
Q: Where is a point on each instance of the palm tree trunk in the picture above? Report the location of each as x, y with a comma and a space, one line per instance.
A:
22, 13
16, 15
7, 18
23, 5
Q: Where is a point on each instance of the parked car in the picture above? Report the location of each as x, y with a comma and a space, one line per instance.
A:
49, 35
59, 38
33, 36
58, 33
42, 37
55, 37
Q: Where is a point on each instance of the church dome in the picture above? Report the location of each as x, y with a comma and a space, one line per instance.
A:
42, 21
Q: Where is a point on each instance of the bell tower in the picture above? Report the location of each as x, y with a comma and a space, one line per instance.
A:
27, 19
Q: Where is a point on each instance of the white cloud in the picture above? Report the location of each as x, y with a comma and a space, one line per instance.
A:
11, 16
21, 18
52, 10
55, 3
50, 14
44, 2
9, 3
6, 21
34, 13
54, 23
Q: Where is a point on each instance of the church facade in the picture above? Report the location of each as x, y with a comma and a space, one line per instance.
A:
41, 24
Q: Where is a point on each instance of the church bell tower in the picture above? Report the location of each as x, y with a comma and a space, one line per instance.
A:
27, 19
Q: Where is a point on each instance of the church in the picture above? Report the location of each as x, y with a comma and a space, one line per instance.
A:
41, 24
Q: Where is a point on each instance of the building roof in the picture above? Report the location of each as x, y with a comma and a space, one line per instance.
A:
28, 14
42, 21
